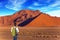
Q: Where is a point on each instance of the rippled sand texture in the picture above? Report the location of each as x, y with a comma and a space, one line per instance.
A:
31, 33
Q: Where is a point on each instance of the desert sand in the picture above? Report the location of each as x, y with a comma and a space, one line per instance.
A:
33, 25
31, 33
30, 18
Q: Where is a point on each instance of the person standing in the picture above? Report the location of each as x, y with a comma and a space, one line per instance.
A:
14, 32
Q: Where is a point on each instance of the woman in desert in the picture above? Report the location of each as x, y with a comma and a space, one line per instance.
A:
14, 32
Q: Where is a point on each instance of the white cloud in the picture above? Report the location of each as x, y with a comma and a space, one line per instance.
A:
15, 4
56, 3
33, 8
40, 4
48, 1
54, 13
1, 4
36, 4
52, 9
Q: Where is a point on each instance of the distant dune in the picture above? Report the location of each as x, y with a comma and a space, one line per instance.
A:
30, 18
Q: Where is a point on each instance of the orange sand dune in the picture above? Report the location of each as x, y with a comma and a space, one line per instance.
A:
29, 18
44, 20
18, 18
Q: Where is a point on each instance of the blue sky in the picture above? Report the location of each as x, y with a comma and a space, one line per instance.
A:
9, 7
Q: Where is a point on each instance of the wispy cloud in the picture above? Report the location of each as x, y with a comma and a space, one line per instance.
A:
45, 6
36, 4
1, 4
55, 4
48, 1
15, 4
52, 9
54, 13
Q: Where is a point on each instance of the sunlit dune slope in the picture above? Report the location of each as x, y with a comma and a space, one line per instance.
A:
29, 18
45, 20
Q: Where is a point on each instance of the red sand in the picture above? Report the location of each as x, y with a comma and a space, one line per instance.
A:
45, 20
21, 16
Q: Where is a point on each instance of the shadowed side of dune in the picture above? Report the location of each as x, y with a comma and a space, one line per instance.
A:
29, 18
26, 21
